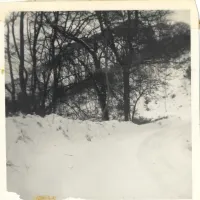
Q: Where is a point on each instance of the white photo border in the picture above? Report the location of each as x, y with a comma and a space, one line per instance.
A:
109, 5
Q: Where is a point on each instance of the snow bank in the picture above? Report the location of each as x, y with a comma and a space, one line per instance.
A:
111, 160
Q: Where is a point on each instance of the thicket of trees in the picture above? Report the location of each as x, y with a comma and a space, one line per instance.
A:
89, 65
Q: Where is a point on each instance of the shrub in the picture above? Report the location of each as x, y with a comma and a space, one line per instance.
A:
173, 96
188, 73
141, 120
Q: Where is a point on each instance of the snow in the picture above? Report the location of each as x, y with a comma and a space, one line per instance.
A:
175, 99
112, 160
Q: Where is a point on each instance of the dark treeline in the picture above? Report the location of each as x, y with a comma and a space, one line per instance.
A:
89, 65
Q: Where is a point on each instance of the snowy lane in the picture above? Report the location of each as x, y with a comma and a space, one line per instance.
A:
122, 160
164, 155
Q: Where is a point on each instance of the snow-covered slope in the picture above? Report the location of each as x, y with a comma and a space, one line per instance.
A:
172, 100
104, 160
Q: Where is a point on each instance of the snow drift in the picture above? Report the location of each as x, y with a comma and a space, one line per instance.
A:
62, 158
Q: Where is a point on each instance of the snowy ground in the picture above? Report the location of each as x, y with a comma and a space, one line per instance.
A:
104, 161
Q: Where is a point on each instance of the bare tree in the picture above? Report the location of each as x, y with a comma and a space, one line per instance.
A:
12, 90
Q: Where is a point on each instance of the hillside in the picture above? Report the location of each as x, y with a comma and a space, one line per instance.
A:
105, 160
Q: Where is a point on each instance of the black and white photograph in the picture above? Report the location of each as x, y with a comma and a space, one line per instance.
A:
98, 104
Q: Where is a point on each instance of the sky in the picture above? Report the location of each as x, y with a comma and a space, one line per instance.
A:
181, 15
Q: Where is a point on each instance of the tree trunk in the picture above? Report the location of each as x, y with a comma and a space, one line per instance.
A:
11, 70
102, 94
126, 73
25, 102
54, 65
21, 66
102, 91
37, 27
126, 96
